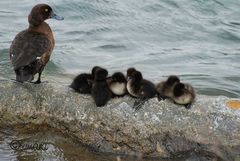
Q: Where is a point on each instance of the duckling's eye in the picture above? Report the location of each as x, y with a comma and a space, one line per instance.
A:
46, 10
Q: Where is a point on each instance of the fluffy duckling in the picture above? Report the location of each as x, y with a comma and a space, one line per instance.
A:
117, 84
100, 90
139, 87
83, 82
183, 94
130, 71
165, 88
31, 49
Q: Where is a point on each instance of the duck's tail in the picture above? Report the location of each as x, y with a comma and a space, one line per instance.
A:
23, 75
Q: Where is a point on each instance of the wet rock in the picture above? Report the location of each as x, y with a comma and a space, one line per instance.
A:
158, 129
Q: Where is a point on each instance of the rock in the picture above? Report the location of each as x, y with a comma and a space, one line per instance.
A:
158, 129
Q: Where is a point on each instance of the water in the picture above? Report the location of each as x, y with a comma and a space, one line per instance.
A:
197, 40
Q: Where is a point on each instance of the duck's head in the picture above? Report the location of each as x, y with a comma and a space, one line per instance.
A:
172, 80
94, 69
178, 89
100, 74
130, 72
137, 76
40, 13
118, 77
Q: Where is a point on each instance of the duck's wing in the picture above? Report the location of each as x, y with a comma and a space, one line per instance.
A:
27, 47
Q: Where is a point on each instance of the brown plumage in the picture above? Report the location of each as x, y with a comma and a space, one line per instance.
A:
31, 49
183, 94
165, 88
139, 88
180, 93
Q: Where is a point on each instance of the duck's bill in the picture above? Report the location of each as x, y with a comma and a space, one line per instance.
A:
56, 17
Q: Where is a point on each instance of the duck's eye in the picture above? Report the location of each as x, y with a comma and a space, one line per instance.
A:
46, 10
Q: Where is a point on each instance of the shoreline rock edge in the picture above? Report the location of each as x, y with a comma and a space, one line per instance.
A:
158, 129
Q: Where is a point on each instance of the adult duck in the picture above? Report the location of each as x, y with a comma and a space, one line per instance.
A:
31, 49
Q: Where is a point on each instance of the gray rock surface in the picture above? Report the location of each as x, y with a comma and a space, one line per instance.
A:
158, 129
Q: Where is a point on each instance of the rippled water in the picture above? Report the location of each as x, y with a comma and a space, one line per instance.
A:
199, 40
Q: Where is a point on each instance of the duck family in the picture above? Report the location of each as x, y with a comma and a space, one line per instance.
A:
103, 87
31, 49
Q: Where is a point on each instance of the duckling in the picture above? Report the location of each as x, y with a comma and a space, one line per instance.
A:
139, 87
83, 82
130, 71
117, 84
100, 90
183, 94
165, 88
31, 49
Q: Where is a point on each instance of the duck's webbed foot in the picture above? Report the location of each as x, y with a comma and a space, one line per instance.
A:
188, 106
37, 82
39, 74
39, 78
160, 97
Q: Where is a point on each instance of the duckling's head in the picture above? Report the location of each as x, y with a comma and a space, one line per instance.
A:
40, 13
178, 89
119, 77
130, 72
100, 74
137, 76
94, 69
172, 80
